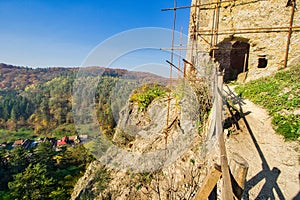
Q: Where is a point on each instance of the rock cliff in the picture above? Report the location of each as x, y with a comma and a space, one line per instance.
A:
151, 158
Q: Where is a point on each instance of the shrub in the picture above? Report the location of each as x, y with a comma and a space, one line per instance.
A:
146, 94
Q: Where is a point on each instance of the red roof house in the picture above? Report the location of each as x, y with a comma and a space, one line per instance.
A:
63, 141
18, 142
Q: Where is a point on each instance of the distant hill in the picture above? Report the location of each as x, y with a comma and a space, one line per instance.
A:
17, 78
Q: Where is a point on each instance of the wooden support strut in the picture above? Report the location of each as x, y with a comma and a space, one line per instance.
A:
209, 183
238, 168
250, 30
171, 68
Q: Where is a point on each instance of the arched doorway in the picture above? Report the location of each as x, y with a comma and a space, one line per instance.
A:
232, 55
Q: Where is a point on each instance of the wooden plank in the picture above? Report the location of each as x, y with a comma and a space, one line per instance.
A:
209, 183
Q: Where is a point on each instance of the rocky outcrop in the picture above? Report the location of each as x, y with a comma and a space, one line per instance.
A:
85, 183
150, 158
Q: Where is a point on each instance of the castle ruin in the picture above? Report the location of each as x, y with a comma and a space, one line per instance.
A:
251, 36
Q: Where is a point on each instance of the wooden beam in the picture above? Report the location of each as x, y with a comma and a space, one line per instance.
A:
209, 183
226, 180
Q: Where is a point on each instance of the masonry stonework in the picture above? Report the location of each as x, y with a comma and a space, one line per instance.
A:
251, 35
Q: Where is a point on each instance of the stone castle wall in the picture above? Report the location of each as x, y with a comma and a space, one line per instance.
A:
264, 51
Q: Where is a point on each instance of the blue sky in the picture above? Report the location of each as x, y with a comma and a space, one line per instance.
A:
45, 33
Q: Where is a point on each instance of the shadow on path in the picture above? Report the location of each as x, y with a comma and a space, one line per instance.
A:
269, 175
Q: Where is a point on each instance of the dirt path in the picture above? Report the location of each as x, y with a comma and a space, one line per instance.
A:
273, 164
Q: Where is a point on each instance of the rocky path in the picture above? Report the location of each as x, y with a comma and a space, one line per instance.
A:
273, 163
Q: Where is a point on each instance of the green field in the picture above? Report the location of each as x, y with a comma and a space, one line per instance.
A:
10, 136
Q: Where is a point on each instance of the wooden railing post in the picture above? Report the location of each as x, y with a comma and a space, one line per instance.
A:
226, 181
239, 169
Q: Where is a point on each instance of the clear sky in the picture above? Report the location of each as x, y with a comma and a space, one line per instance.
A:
45, 33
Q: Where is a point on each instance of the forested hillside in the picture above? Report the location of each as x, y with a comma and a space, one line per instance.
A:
38, 102
36, 105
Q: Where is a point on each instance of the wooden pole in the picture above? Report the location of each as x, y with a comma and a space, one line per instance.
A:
180, 48
293, 2
250, 30
215, 28
171, 74
226, 181
245, 62
184, 70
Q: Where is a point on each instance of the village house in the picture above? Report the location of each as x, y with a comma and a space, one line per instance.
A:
71, 140
63, 141
83, 138
51, 140
17, 143
25, 143
74, 139
3, 145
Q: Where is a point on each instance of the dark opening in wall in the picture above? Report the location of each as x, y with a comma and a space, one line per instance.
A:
232, 55
262, 61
